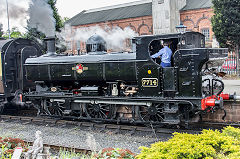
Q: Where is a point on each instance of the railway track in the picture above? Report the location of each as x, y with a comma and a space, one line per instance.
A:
62, 147
115, 128
91, 125
104, 128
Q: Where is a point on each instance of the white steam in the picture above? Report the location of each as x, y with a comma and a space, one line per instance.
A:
17, 11
115, 37
41, 17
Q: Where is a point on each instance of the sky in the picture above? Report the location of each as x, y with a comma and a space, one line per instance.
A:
66, 8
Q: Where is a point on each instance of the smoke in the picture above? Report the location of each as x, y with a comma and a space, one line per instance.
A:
41, 17
15, 11
64, 36
115, 37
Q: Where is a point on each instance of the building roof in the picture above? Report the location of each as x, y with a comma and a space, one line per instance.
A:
128, 10
116, 12
197, 4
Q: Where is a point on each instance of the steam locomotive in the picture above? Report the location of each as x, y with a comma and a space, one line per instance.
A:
118, 86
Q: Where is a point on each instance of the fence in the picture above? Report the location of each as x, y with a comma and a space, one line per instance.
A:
230, 65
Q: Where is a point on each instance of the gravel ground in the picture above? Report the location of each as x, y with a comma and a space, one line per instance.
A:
77, 137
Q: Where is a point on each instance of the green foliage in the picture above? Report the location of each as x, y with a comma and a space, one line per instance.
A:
66, 155
14, 34
59, 21
117, 153
226, 21
65, 19
33, 33
231, 131
207, 145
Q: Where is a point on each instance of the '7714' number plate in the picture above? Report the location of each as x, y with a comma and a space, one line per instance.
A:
149, 82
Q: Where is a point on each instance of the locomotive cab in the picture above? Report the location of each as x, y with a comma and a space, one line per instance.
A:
175, 42
176, 80
157, 45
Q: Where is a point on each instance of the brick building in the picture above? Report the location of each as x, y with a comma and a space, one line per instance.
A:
195, 14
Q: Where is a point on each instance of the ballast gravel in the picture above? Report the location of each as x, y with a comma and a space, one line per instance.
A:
78, 137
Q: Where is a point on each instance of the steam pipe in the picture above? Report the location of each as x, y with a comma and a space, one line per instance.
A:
234, 96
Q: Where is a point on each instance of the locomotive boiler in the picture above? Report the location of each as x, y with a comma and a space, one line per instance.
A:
125, 86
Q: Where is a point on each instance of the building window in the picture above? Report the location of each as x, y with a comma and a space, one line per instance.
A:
206, 33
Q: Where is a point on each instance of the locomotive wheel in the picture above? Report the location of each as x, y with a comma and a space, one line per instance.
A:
150, 114
53, 108
99, 111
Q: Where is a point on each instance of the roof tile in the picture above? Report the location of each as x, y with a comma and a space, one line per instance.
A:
128, 11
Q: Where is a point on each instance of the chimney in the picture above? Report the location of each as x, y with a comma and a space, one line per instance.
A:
166, 15
51, 48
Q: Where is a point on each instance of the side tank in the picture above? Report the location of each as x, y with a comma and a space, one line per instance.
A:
96, 65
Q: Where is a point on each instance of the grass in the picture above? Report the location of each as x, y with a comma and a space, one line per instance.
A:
70, 154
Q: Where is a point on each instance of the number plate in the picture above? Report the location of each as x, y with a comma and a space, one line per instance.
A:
149, 82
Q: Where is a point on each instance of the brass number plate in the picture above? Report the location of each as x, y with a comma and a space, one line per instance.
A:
149, 82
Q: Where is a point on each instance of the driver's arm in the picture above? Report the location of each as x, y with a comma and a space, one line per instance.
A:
156, 55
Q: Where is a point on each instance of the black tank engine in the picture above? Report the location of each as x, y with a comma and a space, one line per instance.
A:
121, 86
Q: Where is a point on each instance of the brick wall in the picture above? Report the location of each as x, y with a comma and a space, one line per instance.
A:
141, 25
195, 20
198, 20
233, 113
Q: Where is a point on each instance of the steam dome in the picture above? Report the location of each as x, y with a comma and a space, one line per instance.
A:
96, 44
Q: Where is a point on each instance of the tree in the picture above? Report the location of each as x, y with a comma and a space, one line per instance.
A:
33, 33
65, 19
14, 34
59, 21
225, 24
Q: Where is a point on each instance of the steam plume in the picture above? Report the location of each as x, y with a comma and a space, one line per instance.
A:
17, 10
114, 37
41, 17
